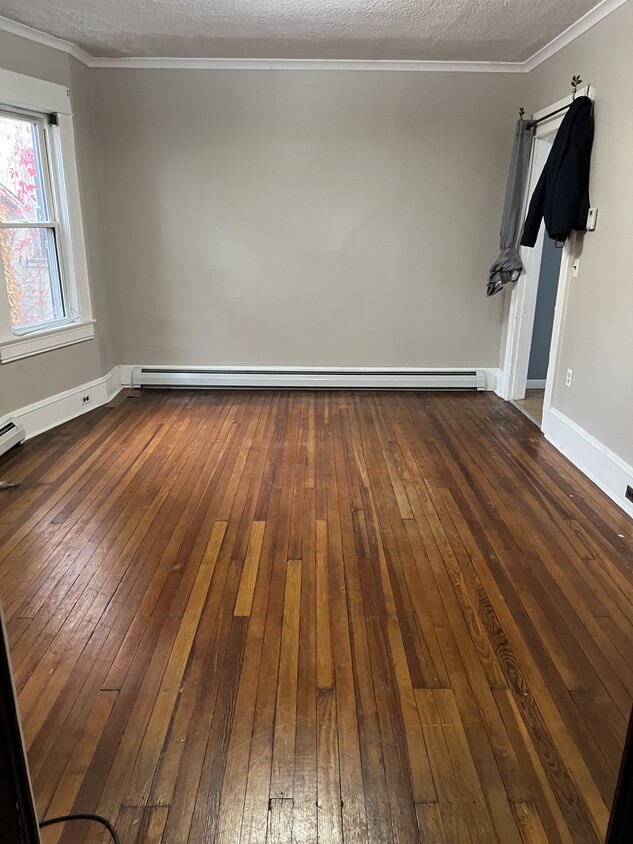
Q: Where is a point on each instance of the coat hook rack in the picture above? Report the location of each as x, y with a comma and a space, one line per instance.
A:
575, 82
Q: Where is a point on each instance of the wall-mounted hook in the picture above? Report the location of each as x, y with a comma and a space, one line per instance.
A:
575, 82
521, 113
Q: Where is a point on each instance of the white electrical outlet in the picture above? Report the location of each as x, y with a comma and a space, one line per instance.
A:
568, 377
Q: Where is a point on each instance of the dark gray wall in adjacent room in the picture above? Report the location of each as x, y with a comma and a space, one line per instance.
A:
544, 315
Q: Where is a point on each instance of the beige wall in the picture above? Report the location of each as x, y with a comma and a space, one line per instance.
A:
599, 320
90, 183
33, 379
307, 218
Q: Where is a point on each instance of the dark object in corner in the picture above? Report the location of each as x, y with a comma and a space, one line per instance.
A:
83, 816
18, 820
620, 829
561, 196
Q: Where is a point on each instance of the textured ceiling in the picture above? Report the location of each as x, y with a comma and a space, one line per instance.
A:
450, 30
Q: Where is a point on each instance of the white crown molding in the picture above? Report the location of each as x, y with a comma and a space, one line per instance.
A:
308, 64
582, 25
31, 34
588, 20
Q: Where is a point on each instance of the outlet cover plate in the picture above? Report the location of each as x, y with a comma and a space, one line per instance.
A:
592, 219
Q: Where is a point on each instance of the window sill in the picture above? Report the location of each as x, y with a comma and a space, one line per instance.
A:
45, 341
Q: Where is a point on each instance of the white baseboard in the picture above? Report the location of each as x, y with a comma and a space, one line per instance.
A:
601, 465
535, 383
48, 413
306, 377
501, 383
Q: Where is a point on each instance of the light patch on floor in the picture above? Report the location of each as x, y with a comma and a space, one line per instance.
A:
532, 405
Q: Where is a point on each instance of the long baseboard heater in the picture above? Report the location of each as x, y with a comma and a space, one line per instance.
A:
11, 434
299, 377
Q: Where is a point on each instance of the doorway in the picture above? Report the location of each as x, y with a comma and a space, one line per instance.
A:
532, 340
538, 361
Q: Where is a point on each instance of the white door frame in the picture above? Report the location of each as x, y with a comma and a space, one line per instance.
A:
520, 313
523, 296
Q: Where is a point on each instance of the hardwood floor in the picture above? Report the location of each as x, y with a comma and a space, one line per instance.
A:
329, 616
532, 405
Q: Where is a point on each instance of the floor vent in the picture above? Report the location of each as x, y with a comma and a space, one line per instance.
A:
11, 435
299, 377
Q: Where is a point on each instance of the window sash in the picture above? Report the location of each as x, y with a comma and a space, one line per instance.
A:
44, 157
45, 224
51, 188
57, 291
48, 174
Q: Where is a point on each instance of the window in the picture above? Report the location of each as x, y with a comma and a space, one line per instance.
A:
44, 293
29, 225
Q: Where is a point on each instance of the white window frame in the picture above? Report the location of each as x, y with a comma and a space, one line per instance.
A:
37, 95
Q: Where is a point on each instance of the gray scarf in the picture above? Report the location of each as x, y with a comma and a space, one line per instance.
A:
508, 266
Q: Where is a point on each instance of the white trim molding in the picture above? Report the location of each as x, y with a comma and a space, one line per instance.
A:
38, 94
578, 28
40, 37
45, 341
55, 410
588, 20
601, 465
535, 383
501, 383
398, 65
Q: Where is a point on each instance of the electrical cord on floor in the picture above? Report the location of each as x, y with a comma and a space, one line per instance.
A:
83, 817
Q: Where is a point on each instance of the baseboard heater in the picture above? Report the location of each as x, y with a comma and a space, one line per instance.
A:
11, 434
300, 377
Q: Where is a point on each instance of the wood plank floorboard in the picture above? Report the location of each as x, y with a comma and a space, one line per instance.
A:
343, 617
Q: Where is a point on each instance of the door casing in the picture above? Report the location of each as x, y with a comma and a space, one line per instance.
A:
521, 298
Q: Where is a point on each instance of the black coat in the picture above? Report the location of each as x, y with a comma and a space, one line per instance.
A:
561, 196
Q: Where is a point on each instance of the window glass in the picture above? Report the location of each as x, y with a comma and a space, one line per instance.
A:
22, 187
